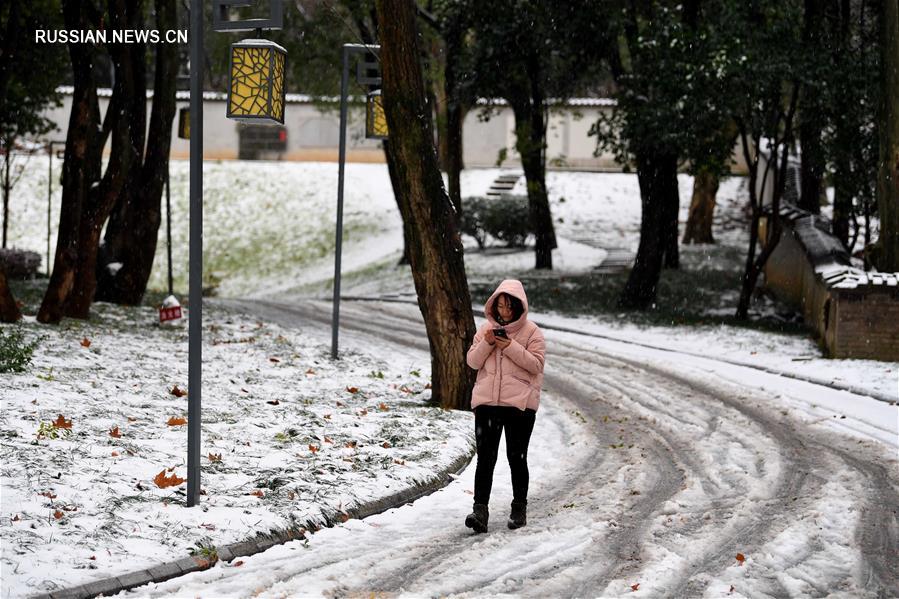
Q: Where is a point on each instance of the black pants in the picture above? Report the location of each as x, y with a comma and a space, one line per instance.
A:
489, 423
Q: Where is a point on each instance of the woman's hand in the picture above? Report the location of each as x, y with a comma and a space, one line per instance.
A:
503, 342
489, 337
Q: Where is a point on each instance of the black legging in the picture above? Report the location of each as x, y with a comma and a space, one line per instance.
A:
489, 423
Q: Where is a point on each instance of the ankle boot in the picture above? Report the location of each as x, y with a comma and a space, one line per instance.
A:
477, 519
519, 515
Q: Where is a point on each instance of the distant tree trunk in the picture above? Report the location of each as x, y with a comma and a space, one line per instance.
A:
812, 162
530, 132
843, 212
657, 174
7, 184
133, 228
702, 208
455, 115
9, 310
87, 199
438, 268
886, 255
670, 226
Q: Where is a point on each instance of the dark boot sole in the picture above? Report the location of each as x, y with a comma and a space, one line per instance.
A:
513, 525
475, 524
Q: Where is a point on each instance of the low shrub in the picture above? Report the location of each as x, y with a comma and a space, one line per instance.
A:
15, 351
506, 219
19, 264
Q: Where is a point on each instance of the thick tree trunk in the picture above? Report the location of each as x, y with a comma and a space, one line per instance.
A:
7, 185
702, 208
9, 310
133, 228
401, 200
530, 132
435, 248
886, 255
657, 174
670, 226
86, 198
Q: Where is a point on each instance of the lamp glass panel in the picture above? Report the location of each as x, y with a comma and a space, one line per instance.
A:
376, 123
257, 83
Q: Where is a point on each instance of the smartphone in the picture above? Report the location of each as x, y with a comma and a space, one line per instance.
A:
500, 333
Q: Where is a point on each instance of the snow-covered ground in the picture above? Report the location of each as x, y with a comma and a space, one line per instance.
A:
290, 438
269, 233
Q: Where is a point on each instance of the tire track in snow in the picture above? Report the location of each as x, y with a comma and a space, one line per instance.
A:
755, 524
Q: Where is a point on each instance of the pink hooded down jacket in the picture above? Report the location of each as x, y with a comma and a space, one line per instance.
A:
514, 376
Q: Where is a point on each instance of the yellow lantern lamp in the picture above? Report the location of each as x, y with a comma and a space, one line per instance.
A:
184, 123
375, 118
257, 91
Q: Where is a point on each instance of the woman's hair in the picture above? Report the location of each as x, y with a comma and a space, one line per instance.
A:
517, 307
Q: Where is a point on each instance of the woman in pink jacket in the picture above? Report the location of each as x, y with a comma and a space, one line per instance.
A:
508, 353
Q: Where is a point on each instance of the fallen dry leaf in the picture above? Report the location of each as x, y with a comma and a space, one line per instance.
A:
48, 494
85, 342
57, 514
114, 432
385, 445
215, 457
634, 587
383, 407
310, 372
258, 493
339, 404
162, 481
176, 421
741, 558
313, 448
731, 589
328, 439
16, 518
61, 422
353, 389
178, 392
351, 444
273, 402
115, 454
326, 416
275, 360
237, 564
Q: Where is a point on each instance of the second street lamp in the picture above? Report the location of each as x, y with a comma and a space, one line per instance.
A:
375, 119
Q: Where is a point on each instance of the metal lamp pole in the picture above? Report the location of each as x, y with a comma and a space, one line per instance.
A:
348, 51
195, 325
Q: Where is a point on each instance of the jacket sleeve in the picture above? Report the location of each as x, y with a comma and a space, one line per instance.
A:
479, 351
530, 358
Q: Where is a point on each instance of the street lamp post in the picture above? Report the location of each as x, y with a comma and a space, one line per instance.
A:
349, 50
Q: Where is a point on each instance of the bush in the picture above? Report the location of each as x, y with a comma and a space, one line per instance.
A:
506, 218
19, 264
15, 352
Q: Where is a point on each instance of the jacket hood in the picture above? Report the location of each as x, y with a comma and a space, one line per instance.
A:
514, 288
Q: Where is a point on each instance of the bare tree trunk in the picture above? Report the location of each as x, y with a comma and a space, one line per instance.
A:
435, 252
886, 256
670, 225
810, 123
401, 200
455, 115
7, 185
9, 310
657, 174
702, 208
133, 228
530, 132
87, 198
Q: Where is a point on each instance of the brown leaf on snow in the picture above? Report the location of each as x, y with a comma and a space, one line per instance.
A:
363, 412
326, 416
273, 402
351, 444
339, 404
130, 419
48, 494
177, 392
176, 421
310, 372
85, 342
61, 422
383, 407
634, 587
114, 432
258, 493
328, 439
275, 360
57, 514
741, 558
385, 445
115, 454
237, 564
16, 518
215, 457
162, 481
313, 448
352, 389
731, 589
291, 495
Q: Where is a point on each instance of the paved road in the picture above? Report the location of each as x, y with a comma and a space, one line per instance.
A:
658, 478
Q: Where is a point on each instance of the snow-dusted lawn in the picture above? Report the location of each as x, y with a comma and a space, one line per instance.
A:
289, 437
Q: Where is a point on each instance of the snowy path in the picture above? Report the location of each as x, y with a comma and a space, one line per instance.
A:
642, 473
